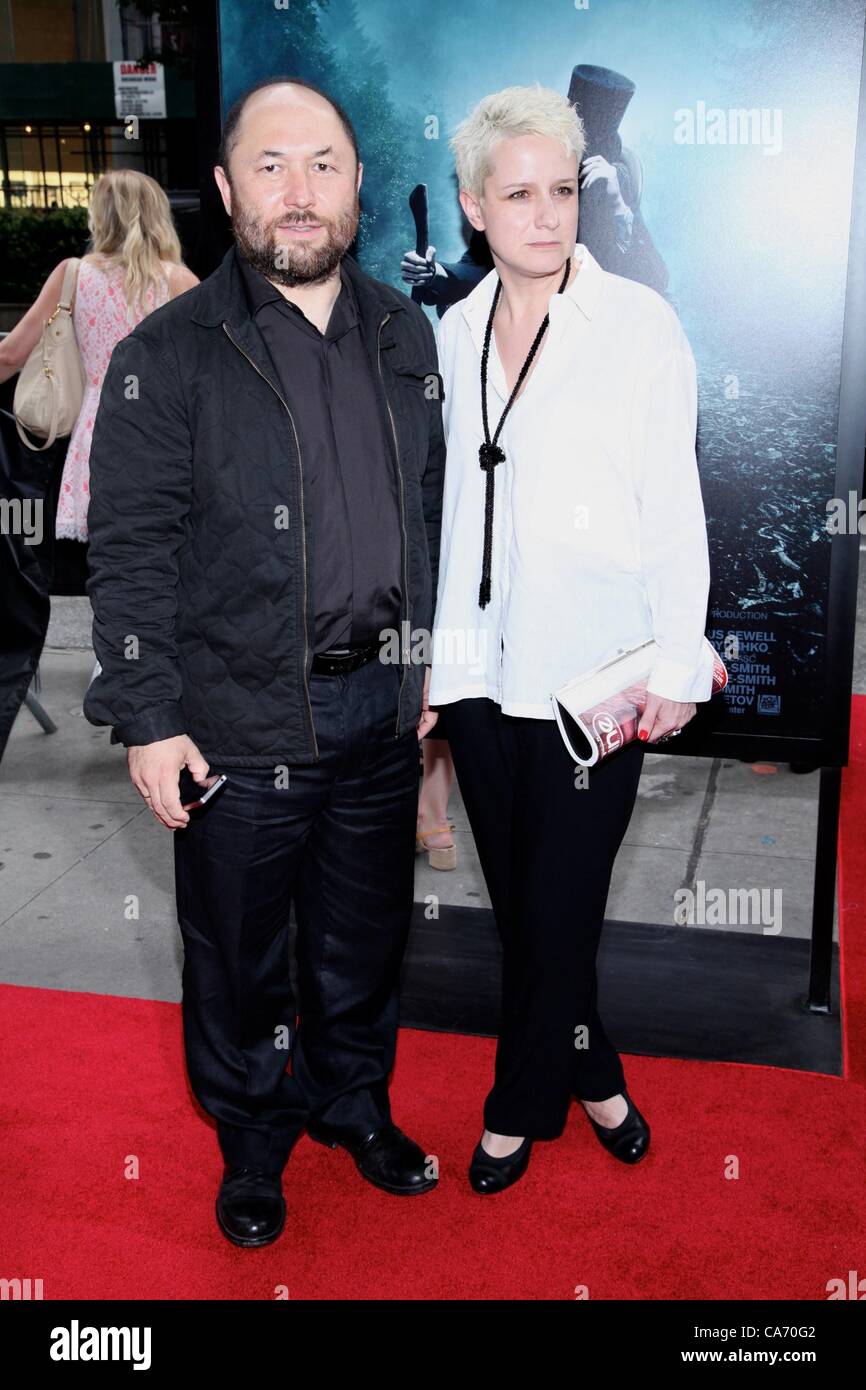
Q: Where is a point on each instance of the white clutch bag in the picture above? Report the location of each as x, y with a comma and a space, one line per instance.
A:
599, 712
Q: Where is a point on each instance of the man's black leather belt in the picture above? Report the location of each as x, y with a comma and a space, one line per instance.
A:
337, 661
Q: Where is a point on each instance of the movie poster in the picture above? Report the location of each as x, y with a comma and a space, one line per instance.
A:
726, 134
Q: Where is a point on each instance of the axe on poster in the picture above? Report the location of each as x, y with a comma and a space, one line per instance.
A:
418, 208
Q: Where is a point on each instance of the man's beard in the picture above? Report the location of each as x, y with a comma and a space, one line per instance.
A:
294, 262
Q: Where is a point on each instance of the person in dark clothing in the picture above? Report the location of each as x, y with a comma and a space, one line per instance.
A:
611, 182
265, 514
443, 283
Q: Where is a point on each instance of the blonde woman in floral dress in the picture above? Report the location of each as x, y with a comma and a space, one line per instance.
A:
133, 265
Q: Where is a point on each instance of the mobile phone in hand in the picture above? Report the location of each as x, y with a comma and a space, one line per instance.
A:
189, 787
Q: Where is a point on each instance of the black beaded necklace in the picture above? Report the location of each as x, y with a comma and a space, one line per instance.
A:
489, 452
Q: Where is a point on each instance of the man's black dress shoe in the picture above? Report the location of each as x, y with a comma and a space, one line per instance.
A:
490, 1174
628, 1141
250, 1206
386, 1157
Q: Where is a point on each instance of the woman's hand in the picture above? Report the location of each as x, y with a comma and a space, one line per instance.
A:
661, 717
428, 715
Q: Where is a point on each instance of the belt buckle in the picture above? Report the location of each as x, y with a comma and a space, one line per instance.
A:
349, 660
361, 656
365, 653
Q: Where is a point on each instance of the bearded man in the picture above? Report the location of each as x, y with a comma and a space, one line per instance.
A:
266, 493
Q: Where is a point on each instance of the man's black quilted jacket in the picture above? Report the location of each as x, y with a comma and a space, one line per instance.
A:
199, 557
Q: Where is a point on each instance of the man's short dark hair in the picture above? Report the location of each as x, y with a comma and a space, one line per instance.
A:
229, 135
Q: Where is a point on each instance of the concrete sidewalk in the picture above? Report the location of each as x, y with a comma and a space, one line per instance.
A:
86, 873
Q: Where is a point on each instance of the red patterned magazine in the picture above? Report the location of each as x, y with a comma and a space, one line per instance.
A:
599, 712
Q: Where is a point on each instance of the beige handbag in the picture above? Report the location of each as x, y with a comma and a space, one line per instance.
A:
50, 388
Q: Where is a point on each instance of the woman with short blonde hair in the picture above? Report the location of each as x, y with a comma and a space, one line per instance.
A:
572, 529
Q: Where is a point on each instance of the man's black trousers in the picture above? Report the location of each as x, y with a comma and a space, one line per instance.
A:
338, 841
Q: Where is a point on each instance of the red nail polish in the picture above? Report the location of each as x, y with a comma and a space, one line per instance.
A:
642, 733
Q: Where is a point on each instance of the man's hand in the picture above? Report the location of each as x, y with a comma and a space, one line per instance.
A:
154, 769
428, 716
419, 270
663, 716
596, 168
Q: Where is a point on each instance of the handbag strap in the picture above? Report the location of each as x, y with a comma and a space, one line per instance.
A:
68, 288
70, 283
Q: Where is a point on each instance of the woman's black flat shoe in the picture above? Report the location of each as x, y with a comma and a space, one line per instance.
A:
628, 1141
489, 1174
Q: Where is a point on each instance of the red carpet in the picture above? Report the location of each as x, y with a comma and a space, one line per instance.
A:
90, 1080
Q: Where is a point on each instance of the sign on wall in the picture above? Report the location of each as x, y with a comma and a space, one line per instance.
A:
139, 91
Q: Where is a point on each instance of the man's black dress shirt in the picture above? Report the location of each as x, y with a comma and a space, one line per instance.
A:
349, 482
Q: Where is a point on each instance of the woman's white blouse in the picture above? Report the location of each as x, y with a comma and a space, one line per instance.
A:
599, 535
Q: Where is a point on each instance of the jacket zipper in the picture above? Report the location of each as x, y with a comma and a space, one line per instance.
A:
402, 514
303, 535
